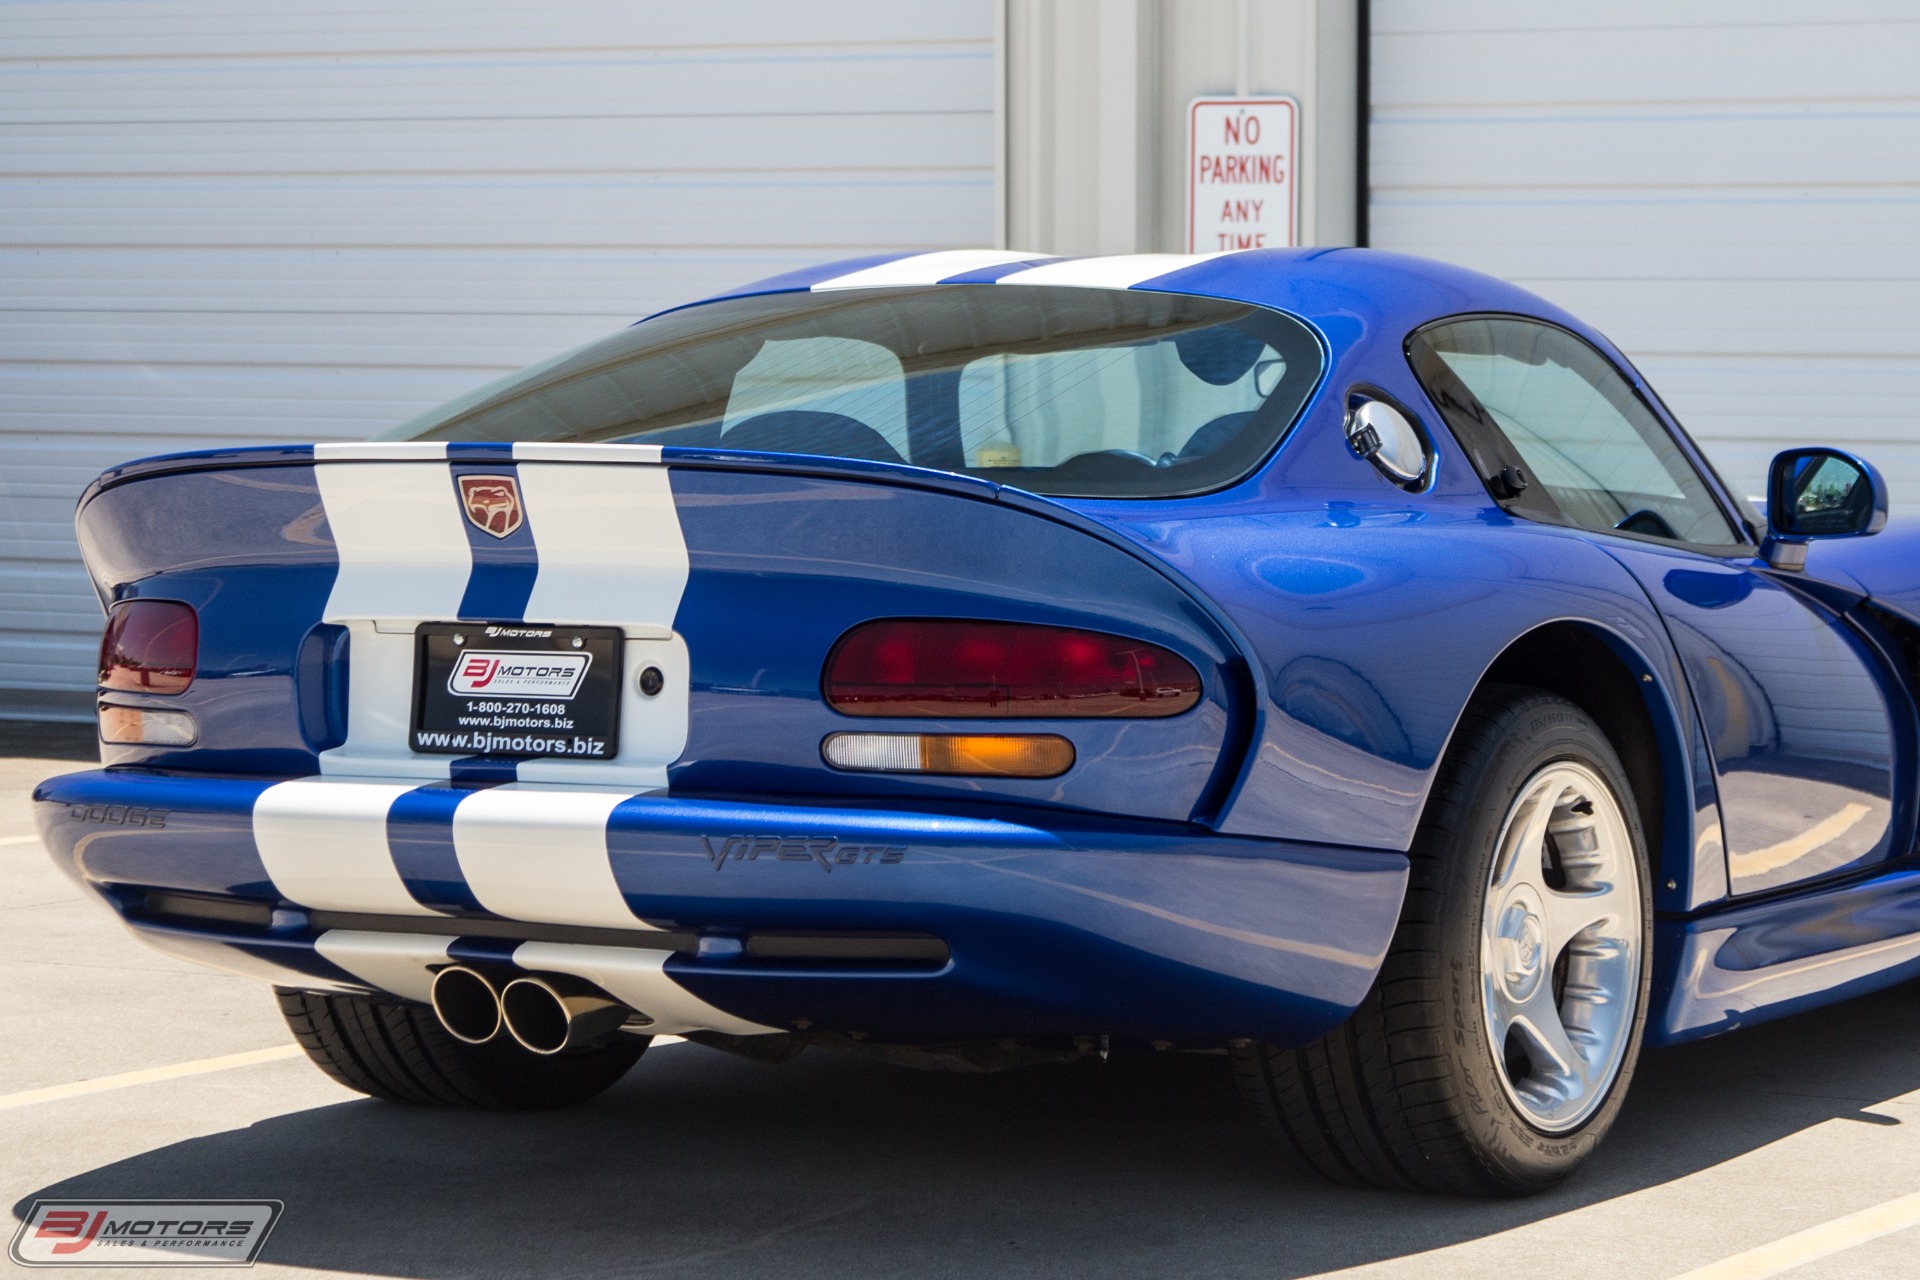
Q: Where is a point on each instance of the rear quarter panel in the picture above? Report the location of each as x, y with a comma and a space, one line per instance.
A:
1373, 624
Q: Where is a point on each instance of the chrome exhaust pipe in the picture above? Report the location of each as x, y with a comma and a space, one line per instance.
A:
467, 1004
550, 1012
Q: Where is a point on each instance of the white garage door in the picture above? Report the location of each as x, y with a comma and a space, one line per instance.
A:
225, 222
1729, 189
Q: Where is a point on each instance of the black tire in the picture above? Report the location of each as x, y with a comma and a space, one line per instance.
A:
399, 1052
1408, 1092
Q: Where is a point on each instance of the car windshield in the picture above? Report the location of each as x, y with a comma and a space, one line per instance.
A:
1061, 391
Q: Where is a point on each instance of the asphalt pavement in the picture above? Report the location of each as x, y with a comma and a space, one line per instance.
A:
702, 1164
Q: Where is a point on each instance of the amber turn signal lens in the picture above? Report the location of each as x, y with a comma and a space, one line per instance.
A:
991, 755
141, 726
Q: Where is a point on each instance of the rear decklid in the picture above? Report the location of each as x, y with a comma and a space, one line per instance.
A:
729, 576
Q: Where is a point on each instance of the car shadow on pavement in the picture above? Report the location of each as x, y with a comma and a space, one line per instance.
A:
49, 740
702, 1163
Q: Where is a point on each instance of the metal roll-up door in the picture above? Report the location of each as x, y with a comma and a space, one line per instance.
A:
223, 222
1730, 189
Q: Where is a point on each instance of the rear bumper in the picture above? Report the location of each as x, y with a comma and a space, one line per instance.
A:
731, 916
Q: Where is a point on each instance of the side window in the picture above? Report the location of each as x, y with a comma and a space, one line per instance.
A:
1525, 394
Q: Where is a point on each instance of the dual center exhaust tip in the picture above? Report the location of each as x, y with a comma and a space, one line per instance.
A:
544, 1013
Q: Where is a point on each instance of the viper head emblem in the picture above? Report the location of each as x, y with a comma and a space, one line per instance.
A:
492, 503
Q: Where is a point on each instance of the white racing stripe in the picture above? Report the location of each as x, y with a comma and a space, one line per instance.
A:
400, 536
611, 550
403, 964
324, 844
541, 451
1120, 272
215, 954
612, 553
401, 539
925, 268
539, 853
638, 979
527, 851
400, 963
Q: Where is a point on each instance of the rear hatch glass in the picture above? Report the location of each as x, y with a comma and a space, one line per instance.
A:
1068, 392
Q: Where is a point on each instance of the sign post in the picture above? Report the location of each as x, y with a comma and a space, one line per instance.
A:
1241, 165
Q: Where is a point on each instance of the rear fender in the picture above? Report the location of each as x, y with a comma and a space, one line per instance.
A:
1373, 624
1630, 693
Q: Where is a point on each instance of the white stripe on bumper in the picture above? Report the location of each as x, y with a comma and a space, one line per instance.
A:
324, 844
400, 963
638, 979
533, 852
215, 954
527, 851
403, 964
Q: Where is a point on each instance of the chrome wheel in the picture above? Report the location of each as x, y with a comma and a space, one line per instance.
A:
1560, 946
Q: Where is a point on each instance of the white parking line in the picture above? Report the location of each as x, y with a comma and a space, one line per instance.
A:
1815, 1242
152, 1075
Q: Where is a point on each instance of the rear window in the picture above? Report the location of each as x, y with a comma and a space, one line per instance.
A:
1062, 391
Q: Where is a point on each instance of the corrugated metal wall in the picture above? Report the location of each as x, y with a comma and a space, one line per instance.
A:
1730, 189
226, 222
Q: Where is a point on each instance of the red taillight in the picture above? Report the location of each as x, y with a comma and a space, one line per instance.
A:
972, 670
151, 646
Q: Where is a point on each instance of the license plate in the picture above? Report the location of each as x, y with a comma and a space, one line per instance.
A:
516, 689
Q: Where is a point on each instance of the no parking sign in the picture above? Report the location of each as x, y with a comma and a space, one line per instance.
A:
1241, 161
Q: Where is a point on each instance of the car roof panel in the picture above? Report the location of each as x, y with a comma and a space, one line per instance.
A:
1328, 287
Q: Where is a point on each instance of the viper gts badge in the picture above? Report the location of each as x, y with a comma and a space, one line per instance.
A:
826, 851
492, 503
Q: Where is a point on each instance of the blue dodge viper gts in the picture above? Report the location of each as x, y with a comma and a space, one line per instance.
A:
1333, 660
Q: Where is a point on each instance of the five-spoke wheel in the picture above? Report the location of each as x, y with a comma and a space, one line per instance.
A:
1497, 1043
1560, 946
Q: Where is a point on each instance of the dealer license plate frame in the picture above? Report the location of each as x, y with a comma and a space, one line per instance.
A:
581, 723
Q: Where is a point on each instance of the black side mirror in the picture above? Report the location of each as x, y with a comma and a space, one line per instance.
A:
1820, 493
